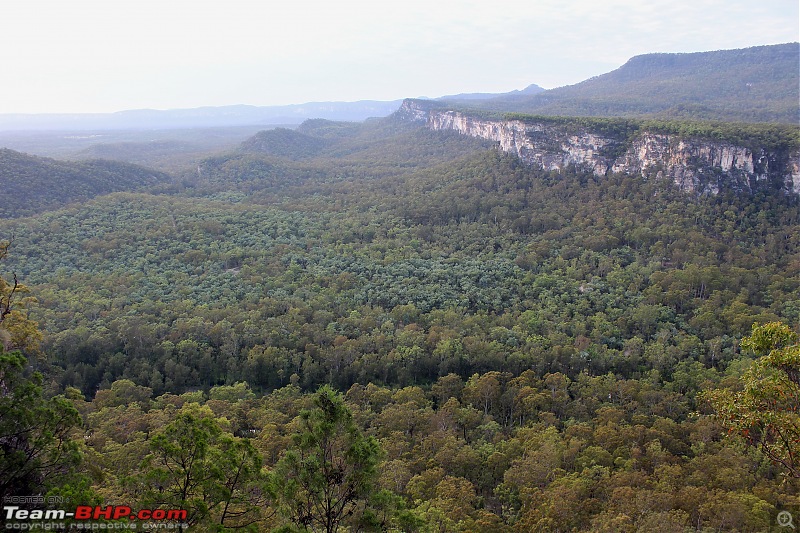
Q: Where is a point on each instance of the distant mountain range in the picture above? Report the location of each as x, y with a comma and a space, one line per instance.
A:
758, 84
527, 91
201, 117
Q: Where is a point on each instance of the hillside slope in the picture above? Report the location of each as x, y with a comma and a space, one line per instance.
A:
33, 184
759, 84
283, 142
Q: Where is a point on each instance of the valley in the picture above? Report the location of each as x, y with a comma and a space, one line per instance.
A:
495, 321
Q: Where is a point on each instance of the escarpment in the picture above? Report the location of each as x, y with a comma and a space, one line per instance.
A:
694, 163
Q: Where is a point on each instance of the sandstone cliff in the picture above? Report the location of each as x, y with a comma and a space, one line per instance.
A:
694, 164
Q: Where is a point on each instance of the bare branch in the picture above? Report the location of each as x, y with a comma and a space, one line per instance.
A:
6, 302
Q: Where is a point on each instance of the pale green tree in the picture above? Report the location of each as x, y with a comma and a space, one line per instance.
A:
765, 411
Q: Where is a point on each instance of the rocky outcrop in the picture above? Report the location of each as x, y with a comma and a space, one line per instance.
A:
697, 165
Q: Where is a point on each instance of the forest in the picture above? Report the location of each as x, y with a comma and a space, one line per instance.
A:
376, 327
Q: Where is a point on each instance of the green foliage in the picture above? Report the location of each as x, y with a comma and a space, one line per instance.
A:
325, 478
34, 184
769, 338
765, 411
283, 142
17, 330
195, 466
501, 452
328, 129
36, 449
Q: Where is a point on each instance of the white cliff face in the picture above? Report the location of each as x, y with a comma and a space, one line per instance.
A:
793, 180
532, 143
694, 165
509, 134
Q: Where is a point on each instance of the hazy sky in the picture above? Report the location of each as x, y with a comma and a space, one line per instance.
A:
110, 55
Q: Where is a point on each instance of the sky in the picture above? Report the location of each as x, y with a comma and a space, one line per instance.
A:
92, 56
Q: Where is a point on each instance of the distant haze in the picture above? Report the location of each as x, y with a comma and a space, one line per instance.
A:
201, 117
87, 56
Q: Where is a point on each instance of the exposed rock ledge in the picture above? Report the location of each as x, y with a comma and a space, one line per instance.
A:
698, 165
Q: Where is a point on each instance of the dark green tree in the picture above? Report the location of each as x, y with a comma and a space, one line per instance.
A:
194, 465
35, 447
325, 479
36, 451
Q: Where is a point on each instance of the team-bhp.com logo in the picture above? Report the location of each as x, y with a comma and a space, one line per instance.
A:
86, 517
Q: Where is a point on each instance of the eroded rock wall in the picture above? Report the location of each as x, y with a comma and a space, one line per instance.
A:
697, 165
